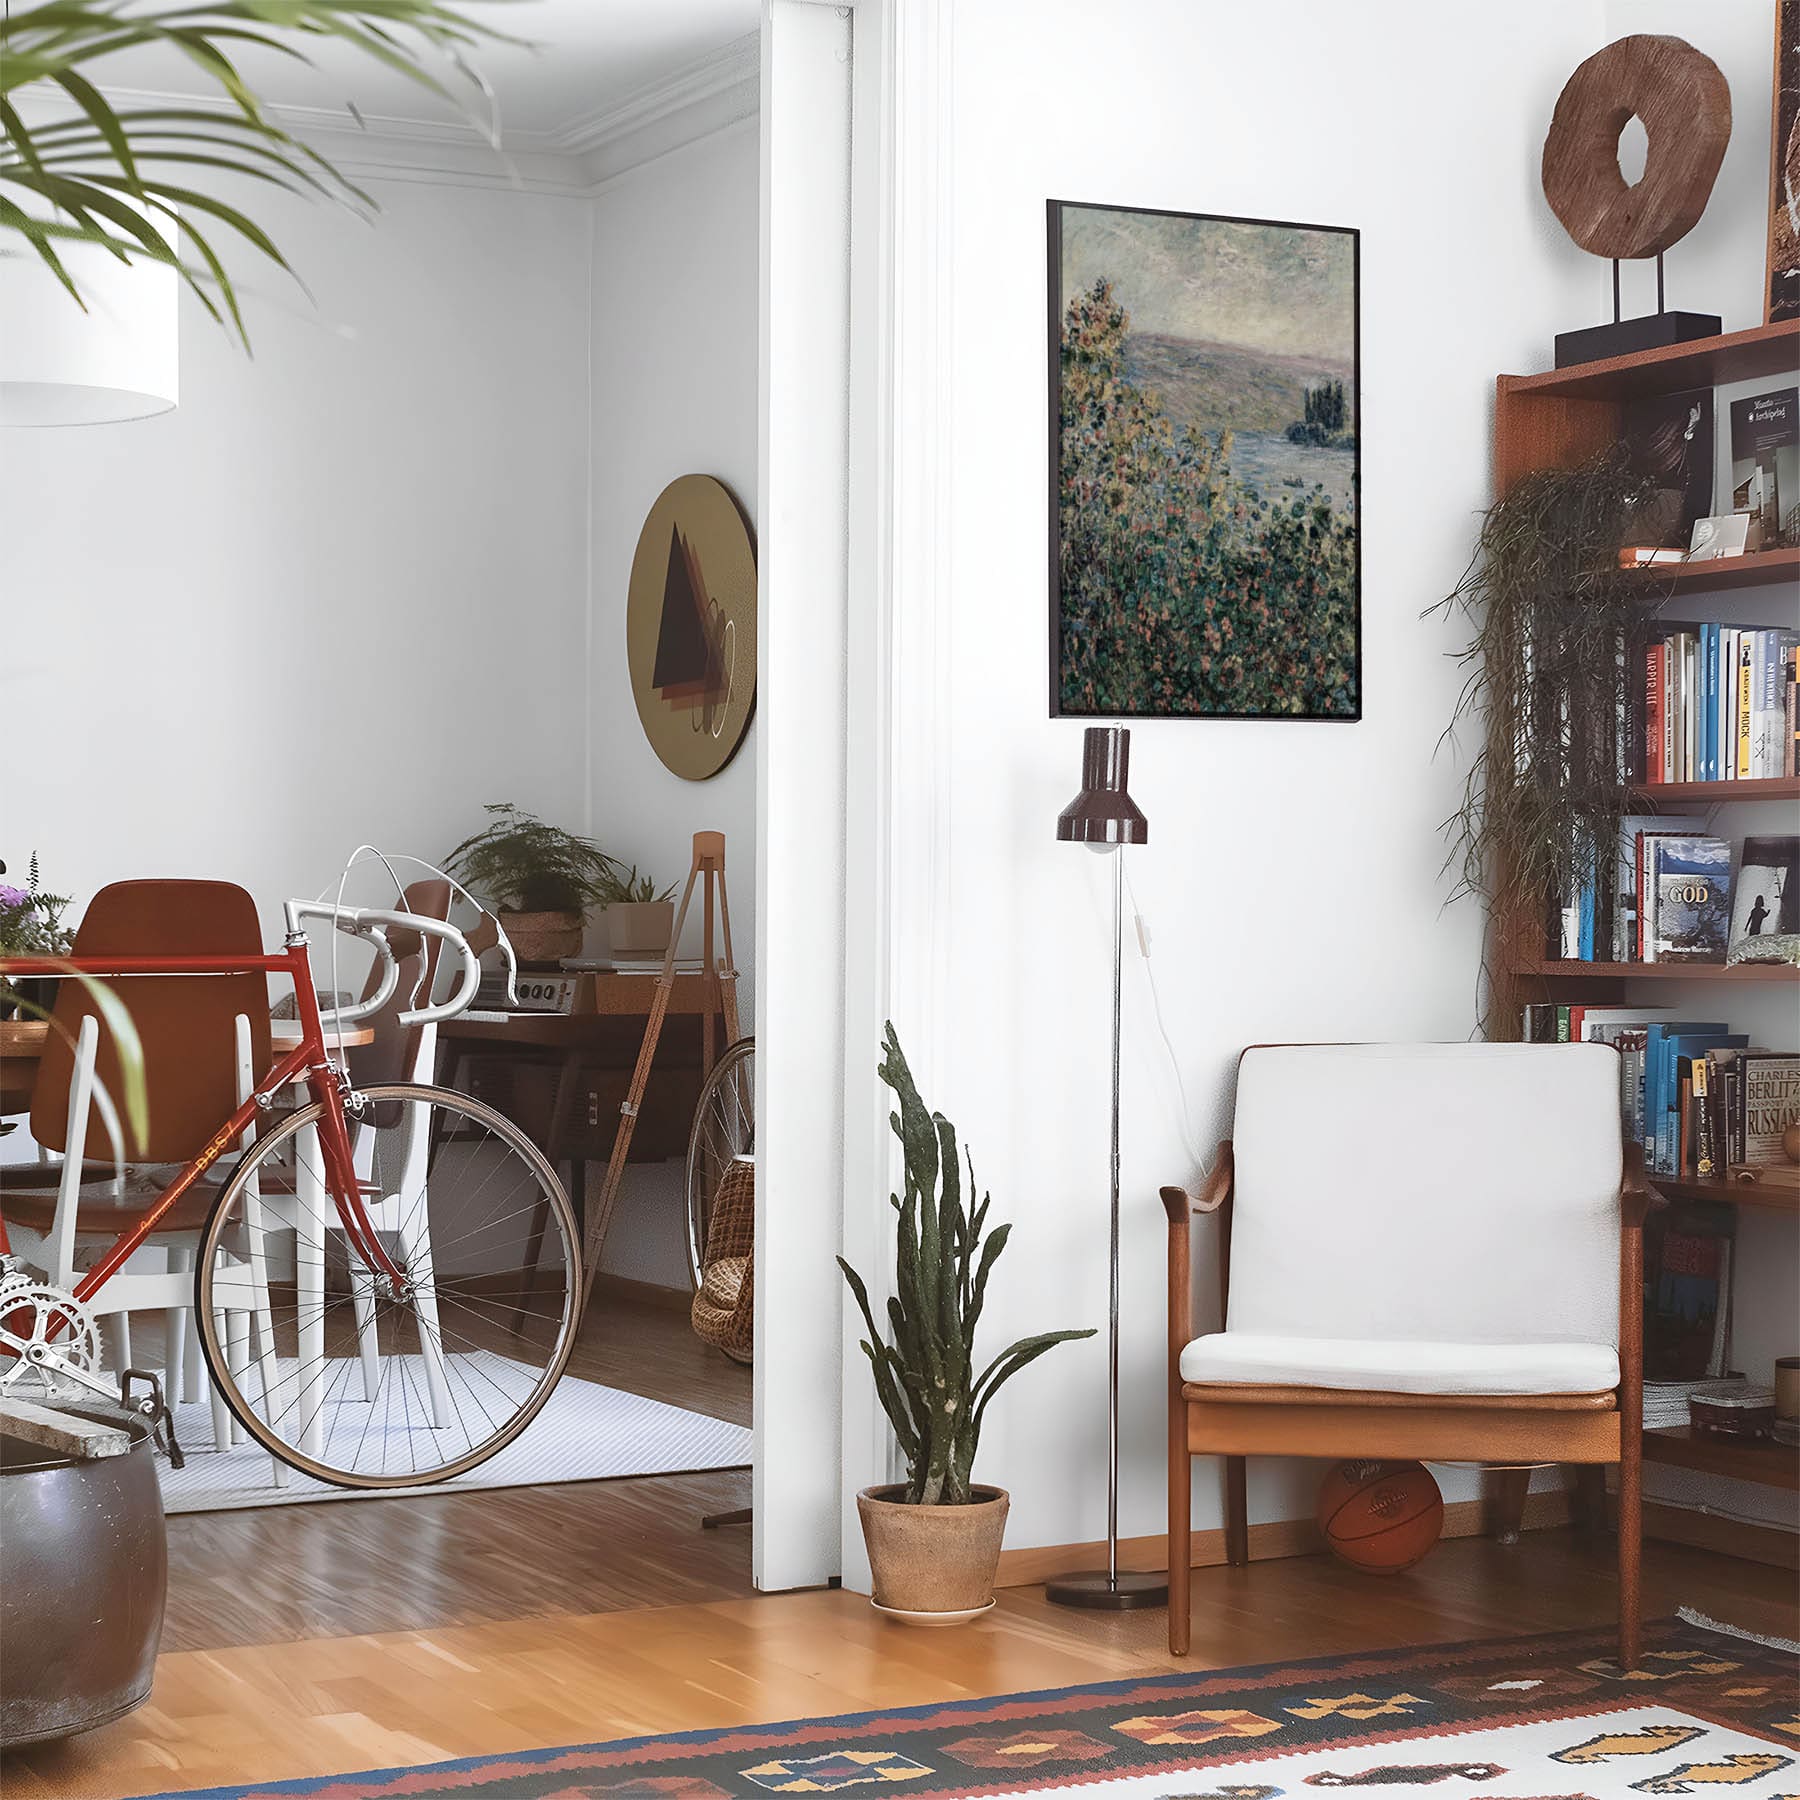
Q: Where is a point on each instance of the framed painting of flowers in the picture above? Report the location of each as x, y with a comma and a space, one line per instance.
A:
1205, 467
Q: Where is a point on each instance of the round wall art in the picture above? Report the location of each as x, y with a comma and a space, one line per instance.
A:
690, 626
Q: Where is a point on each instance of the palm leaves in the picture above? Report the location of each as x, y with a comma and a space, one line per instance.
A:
925, 1376
137, 182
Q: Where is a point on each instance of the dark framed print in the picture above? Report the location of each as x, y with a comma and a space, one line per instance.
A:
1205, 558
1783, 300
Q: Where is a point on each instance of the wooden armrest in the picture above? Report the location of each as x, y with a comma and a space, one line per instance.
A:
1179, 1204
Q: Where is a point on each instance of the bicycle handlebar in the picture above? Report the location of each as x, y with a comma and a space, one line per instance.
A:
373, 925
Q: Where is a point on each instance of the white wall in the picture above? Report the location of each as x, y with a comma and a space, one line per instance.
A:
674, 348
1292, 878
377, 527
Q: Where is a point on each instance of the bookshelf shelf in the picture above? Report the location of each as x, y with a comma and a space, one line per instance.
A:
1764, 350
1655, 971
1761, 568
1776, 787
1758, 1460
1772, 1197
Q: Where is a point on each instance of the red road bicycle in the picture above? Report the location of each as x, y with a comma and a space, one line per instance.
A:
387, 1281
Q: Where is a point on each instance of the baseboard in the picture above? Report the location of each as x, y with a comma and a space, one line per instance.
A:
1272, 1538
1730, 1537
644, 1293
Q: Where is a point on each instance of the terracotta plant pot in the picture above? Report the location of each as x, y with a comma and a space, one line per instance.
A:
933, 1564
640, 927
542, 939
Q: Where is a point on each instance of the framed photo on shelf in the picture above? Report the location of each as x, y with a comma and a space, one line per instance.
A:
1205, 423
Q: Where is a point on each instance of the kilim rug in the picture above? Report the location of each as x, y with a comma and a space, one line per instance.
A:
1542, 1718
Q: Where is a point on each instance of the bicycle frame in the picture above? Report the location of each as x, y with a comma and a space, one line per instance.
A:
308, 1060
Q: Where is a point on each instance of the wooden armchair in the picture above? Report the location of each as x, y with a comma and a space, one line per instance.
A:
1428, 1251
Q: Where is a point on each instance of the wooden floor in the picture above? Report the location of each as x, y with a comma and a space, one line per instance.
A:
336, 1704
281, 1573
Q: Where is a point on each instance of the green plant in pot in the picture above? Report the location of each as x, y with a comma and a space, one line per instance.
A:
934, 1540
542, 878
640, 918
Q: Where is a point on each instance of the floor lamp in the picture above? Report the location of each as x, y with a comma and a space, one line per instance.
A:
1104, 817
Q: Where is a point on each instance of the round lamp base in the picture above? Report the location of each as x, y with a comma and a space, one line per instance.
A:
1095, 1590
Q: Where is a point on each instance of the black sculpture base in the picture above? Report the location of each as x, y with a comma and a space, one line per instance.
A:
1624, 337
1094, 1590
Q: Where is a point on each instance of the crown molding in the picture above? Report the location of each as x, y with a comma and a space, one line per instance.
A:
702, 98
724, 73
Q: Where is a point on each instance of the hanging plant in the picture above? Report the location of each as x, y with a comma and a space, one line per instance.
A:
1549, 681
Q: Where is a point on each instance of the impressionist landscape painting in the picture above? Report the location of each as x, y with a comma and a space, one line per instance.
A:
1205, 472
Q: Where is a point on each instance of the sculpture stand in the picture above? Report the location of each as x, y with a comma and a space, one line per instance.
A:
1624, 337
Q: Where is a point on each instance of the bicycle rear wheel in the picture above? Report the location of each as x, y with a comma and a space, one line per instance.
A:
724, 1127
348, 1376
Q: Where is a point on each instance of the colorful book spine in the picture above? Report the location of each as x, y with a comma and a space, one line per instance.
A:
1742, 754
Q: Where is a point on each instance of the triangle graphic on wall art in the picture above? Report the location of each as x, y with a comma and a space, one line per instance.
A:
687, 669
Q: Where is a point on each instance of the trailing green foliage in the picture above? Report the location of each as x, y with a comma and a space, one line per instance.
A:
137, 181
1549, 678
1183, 590
925, 1373
520, 862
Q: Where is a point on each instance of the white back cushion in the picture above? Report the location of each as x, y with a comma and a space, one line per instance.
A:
1456, 1192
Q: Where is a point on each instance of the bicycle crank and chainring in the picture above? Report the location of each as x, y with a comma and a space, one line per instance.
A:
47, 1339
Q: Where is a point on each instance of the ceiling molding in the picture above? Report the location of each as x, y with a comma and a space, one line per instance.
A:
696, 101
732, 68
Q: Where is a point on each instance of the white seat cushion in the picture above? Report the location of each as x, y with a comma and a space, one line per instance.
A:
1394, 1366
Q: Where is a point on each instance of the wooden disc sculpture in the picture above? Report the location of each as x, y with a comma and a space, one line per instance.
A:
690, 626
1684, 103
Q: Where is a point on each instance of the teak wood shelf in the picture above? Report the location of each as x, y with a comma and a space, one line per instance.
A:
1758, 1460
1766, 1197
1549, 970
1772, 787
1760, 568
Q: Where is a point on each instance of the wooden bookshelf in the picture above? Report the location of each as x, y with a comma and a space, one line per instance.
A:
1762, 351
1743, 1459
1551, 970
1714, 793
1760, 568
1765, 1197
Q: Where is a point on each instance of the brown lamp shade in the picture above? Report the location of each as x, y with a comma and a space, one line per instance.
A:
1103, 812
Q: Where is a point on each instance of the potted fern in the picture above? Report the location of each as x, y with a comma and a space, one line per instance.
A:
542, 878
934, 1539
639, 919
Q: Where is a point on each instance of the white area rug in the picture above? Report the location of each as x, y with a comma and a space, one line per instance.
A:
586, 1432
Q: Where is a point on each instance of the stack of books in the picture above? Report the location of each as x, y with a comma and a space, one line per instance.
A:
1718, 704
1699, 1097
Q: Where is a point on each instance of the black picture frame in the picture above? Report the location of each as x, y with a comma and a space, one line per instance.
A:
1055, 211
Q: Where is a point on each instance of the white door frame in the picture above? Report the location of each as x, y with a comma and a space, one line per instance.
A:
852, 809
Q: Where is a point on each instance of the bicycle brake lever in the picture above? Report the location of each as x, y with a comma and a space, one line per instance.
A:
156, 1409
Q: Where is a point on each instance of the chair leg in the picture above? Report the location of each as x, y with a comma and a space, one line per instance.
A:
1181, 1538
1506, 1502
1237, 1512
175, 1329
1590, 1499
1630, 1554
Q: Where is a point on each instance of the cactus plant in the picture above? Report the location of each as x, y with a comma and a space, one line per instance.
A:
925, 1376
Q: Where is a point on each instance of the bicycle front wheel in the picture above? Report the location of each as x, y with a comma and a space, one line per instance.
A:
358, 1379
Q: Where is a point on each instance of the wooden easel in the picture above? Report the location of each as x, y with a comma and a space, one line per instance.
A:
708, 871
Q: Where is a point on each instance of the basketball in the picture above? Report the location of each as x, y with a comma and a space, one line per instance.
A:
1380, 1517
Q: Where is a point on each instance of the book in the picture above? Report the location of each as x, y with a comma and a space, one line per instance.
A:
1689, 883
1766, 897
1706, 1162
1687, 1302
1770, 651
1669, 439
1768, 1103
1765, 460
1632, 829
1741, 756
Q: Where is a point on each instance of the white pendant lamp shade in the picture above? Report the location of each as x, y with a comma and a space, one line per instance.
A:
61, 366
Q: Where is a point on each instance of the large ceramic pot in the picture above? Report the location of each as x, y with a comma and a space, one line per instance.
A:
540, 940
640, 927
85, 1567
933, 1565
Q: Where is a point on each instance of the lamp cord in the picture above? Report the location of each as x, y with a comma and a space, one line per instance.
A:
1184, 1112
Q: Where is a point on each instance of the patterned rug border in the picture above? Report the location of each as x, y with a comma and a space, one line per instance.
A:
621, 1753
